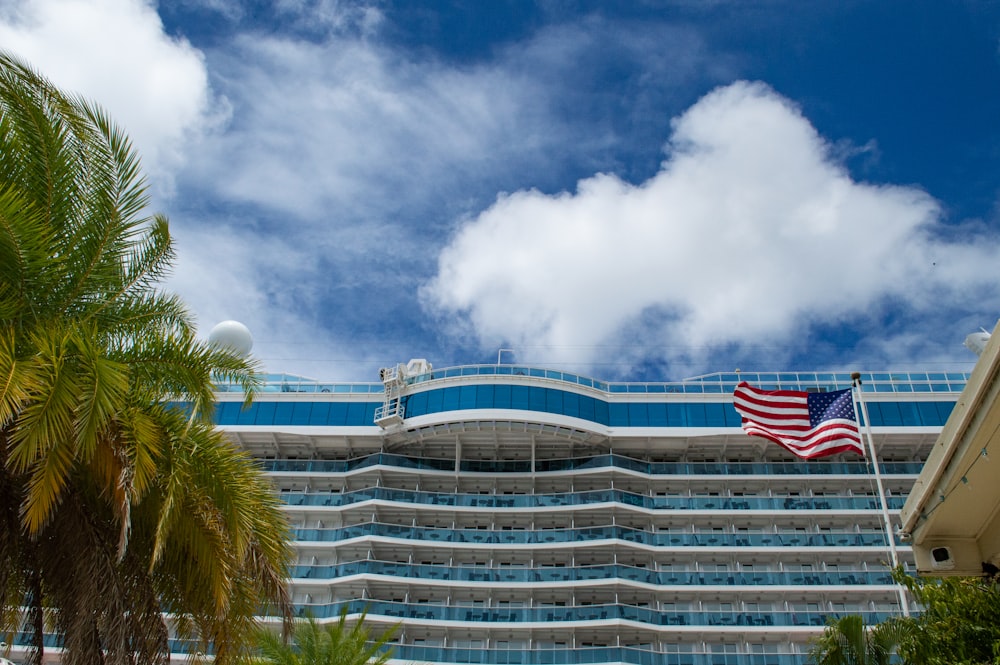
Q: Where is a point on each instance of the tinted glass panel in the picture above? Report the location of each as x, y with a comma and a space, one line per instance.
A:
553, 401
356, 413
467, 397
571, 404
300, 413
450, 399
501, 397
520, 397
890, 415
320, 413
603, 415
550, 400
657, 415
638, 415
484, 397
536, 398
248, 416
618, 414
696, 415
715, 414
338, 414
416, 405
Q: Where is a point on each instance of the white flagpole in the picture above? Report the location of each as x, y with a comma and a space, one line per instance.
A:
887, 522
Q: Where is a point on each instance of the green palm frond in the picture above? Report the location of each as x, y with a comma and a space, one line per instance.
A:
340, 643
115, 504
848, 641
25, 243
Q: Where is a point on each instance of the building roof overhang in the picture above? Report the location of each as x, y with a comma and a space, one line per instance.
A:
952, 515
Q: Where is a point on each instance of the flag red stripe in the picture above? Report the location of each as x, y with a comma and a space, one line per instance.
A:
782, 416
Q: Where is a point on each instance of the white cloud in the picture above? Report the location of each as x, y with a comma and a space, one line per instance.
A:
114, 52
749, 233
348, 127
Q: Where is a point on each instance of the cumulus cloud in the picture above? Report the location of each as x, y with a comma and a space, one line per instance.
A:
750, 232
116, 53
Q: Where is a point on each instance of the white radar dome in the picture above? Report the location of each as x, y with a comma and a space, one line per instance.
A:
232, 335
976, 342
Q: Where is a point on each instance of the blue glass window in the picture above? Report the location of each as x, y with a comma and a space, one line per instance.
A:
338, 413
927, 412
450, 399
228, 412
618, 414
571, 404
301, 412
416, 405
282, 414
536, 398
553, 401
548, 400
889, 412
520, 397
603, 415
248, 416
435, 401
320, 414
715, 414
467, 397
502, 397
356, 413
638, 415
657, 414
696, 415
485, 397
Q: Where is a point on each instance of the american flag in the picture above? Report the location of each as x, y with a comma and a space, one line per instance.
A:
808, 424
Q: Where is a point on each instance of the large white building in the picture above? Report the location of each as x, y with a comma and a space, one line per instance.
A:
508, 514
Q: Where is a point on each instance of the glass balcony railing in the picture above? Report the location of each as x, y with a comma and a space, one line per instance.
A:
563, 655
507, 615
586, 656
591, 463
716, 383
548, 536
515, 574
522, 501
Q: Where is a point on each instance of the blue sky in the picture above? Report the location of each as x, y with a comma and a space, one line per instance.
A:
646, 190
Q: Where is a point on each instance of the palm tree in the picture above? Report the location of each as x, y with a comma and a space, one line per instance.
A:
847, 641
120, 503
326, 644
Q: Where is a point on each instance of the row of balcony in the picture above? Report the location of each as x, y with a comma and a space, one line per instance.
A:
608, 612
586, 656
520, 501
563, 655
519, 575
595, 462
668, 538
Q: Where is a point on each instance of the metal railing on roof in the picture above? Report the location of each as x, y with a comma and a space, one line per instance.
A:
715, 383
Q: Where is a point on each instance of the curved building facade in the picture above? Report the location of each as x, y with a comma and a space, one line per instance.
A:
505, 514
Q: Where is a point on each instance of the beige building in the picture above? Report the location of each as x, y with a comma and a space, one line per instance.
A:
952, 515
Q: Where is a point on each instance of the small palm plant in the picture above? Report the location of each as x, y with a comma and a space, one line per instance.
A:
324, 644
848, 641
